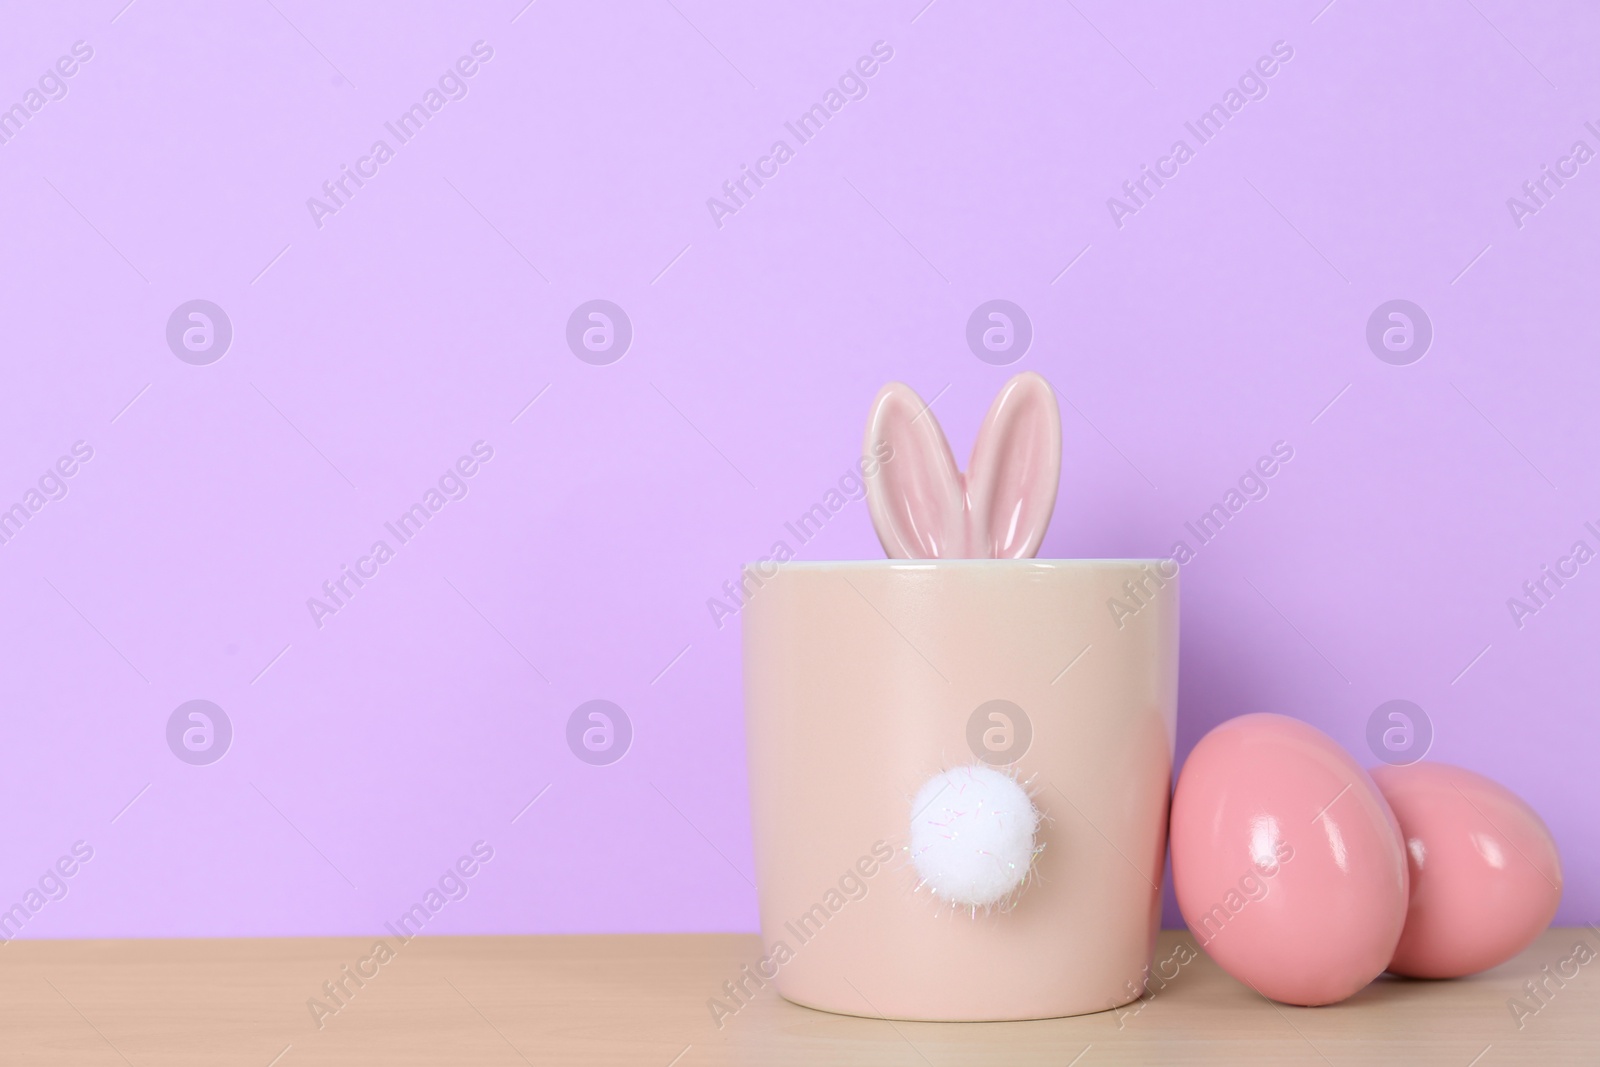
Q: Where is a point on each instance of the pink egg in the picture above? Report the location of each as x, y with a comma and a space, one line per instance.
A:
1287, 861
1485, 874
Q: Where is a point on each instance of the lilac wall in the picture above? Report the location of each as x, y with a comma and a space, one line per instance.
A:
376, 343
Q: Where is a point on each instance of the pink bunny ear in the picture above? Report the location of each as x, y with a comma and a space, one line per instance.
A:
1015, 470
916, 496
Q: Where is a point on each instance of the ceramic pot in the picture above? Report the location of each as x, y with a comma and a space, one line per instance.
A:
864, 679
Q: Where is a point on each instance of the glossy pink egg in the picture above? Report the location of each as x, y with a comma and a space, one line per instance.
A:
1287, 861
1485, 873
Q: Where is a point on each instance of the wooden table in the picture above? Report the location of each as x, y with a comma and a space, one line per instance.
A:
642, 1000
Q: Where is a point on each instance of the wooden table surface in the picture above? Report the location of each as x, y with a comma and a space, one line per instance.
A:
642, 1000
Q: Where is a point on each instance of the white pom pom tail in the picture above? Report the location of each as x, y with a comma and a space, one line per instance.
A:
972, 836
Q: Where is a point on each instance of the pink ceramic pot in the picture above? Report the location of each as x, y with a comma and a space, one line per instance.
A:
863, 680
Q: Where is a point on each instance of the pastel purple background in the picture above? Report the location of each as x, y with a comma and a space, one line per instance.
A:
1223, 317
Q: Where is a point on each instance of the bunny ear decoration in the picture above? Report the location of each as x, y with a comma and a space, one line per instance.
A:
1015, 470
917, 497
924, 508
